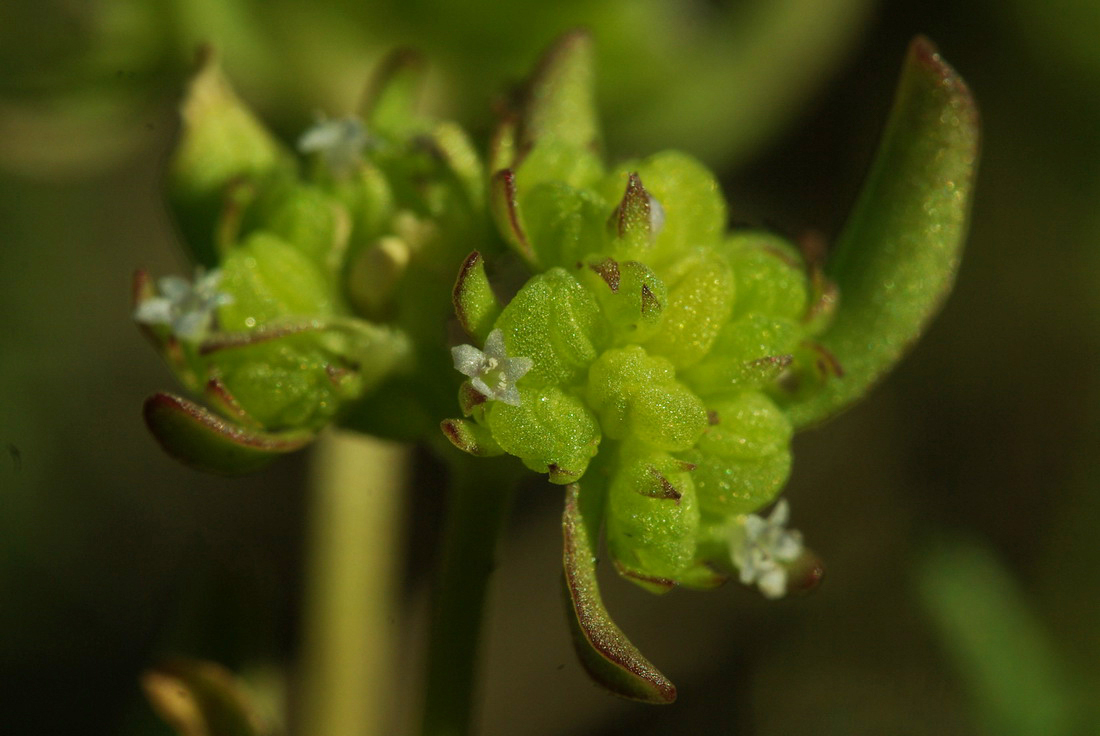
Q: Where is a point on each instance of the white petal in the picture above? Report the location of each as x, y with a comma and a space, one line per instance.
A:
174, 288
754, 527
509, 395
516, 368
482, 388
468, 360
780, 514
748, 575
494, 345
773, 583
191, 325
156, 311
788, 546
321, 136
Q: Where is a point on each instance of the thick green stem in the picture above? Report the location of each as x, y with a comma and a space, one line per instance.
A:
478, 504
353, 532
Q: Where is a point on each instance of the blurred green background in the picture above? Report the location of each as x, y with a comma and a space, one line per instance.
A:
956, 508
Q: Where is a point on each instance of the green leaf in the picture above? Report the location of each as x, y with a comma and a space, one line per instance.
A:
610, 658
563, 224
556, 322
699, 304
205, 441
992, 634
476, 305
458, 153
470, 437
896, 259
652, 518
561, 96
307, 218
221, 142
392, 98
505, 211
270, 279
744, 458
552, 431
200, 698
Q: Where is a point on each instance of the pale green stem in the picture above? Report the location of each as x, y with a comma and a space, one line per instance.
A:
478, 503
354, 525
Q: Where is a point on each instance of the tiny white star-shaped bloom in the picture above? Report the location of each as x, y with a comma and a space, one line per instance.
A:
339, 142
491, 371
187, 307
765, 548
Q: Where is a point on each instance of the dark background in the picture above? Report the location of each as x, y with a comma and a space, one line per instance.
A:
956, 507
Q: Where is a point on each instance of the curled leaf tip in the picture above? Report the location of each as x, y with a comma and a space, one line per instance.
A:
604, 650
206, 441
506, 213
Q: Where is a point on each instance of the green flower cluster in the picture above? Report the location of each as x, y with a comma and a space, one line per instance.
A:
658, 365
656, 340
628, 345
320, 277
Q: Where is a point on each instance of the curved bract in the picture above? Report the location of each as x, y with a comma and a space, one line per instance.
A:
896, 259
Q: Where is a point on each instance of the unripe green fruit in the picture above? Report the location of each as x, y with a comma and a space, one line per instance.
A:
653, 516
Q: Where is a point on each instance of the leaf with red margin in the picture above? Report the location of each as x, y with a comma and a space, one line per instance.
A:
506, 214
476, 305
608, 656
896, 259
199, 438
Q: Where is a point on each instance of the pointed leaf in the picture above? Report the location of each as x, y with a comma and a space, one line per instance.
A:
203, 440
475, 303
457, 151
896, 259
200, 699
561, 97
392, 97
610, 658
221, 141
470, 437
502, 148
505, 210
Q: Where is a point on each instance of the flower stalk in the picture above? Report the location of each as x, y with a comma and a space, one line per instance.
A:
478, 502
355, 517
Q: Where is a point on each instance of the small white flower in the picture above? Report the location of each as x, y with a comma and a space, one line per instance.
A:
339, 142
765, 548
188, 308
491, 371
